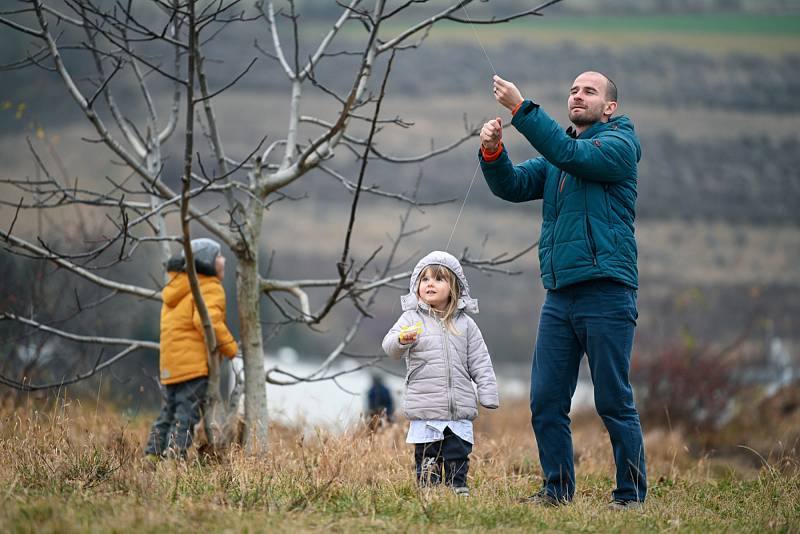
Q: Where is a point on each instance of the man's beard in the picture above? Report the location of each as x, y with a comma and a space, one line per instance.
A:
587, 118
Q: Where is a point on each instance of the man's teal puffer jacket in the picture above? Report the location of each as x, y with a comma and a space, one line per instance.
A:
588, 185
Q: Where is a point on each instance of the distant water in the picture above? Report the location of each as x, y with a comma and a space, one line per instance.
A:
336, 405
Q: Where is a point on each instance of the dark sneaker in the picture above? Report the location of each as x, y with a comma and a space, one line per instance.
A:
542, 498
461, 491
625, 505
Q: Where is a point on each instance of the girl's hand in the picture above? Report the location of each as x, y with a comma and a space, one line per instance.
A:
407, 337
409, 334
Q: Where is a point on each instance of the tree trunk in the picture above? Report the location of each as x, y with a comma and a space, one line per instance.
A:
255, 390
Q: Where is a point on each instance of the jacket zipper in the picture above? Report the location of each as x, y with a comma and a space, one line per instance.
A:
450, 401
589, 236
553, 240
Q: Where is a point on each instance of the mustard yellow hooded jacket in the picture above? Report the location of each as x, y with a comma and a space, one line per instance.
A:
183, 351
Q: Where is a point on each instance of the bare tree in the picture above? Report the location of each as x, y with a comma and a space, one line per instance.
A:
148, 45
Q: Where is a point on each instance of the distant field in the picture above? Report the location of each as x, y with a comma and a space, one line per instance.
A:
718, 34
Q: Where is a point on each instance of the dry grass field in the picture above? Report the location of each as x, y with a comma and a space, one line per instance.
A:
72, 467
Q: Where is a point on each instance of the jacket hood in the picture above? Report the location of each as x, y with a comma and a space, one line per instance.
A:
438, 257
624, 125
177, 288
621, 124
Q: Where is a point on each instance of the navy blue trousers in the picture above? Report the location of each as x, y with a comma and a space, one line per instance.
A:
597, 318
450, 455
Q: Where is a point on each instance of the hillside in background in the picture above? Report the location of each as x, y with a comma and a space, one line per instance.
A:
711, 86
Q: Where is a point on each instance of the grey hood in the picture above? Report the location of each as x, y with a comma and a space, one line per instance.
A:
437, 257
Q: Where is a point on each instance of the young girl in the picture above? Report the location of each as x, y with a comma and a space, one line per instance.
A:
445, 353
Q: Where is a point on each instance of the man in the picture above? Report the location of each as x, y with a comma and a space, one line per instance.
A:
586, 178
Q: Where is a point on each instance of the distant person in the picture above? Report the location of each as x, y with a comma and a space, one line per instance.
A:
586, 177
183, 358
445, 354
380, 405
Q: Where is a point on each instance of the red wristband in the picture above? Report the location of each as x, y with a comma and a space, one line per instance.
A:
491, 156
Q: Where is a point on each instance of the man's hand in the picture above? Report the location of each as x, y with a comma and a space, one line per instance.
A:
506, 93
491, 135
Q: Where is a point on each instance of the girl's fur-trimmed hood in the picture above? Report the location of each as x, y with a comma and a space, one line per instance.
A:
438, 257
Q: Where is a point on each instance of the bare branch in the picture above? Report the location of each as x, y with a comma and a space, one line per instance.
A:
536, 11
27, 386
103, 282
298, 379
276, 41
60, 16
340, 348
106, 137
213, 399
491, 264
229, 84
342, 265
322, 146
393, 43
268, 286
16, 214
99, 340
104, 84
374, 190
471, 133
20, 28
176, 93
323, 46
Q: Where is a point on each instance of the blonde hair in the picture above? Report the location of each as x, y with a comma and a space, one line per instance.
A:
447, 315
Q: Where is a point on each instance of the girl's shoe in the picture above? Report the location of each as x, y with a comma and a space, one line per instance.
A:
461, 491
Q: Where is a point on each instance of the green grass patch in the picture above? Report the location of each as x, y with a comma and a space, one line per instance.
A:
711, 33
738, 24
688, 505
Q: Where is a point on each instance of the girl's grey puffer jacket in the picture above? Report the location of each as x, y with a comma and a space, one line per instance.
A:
441, 365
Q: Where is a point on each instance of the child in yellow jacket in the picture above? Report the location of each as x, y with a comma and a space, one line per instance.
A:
183, 361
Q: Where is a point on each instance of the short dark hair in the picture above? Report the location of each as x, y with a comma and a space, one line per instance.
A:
611, 90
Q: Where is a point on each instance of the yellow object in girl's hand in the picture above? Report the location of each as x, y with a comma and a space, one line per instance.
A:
411, 328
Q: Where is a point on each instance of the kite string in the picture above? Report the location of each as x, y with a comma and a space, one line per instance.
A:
464, 202
475, 32
453, 231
